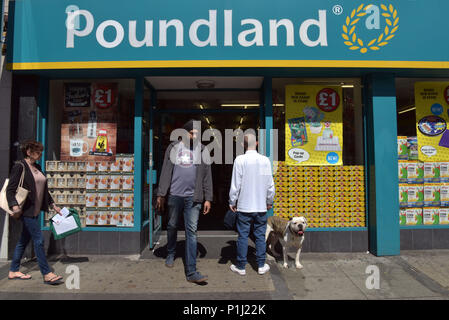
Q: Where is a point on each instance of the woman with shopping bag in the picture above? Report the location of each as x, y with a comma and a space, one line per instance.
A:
38, 199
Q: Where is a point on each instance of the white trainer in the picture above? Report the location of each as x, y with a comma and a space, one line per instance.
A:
264, 269
237, 270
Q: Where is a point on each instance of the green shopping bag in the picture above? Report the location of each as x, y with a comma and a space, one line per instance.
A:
75, 229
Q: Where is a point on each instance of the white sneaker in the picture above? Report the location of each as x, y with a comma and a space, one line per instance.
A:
264, 269
237, 270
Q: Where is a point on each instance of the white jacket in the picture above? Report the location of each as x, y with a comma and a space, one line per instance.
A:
252, 186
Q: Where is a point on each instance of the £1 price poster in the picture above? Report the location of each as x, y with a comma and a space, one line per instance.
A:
432, 115
314, 125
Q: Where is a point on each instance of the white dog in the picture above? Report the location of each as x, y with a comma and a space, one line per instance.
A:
289, 233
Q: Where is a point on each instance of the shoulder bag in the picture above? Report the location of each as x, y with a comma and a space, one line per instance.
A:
21, 194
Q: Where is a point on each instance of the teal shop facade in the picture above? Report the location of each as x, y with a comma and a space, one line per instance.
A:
375, 43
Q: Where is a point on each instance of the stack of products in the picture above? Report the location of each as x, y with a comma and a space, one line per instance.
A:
107, 190
423, 187
328, 196
67, 185
110, 192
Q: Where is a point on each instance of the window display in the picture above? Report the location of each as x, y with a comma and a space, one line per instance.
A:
423, 159
102, 192
320, 173
89, 165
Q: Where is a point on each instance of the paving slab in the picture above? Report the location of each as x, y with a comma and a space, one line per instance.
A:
434, 264
344, 276
414, 275
117, 275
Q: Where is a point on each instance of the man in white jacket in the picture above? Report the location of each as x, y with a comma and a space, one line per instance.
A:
251, 195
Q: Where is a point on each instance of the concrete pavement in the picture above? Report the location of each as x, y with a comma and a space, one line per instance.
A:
412, 275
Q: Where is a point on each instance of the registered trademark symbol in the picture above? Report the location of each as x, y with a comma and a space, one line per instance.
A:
337, 9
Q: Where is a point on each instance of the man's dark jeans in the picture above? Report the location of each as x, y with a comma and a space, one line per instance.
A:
244, 222
191, 210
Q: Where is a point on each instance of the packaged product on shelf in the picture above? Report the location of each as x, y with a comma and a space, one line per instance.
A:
444, 194
91, 199
91, 181
71, 166
412, 144
71, 181
61, 181
51, 181
103, 182
403, 195
431, 172
430, 215
61, 166
414, 216
116, 216
128, 218
115, 166
115, 182
402, 216
128, 200
127, 163
81, 166
103, 199
128, 182
81, 180
415, 195
91, 216
443, 215
60, 197
444, 171
431, 194
81, 197
103, 166
51, 166
415, 172
71, 197
402, 148
91, 166
115, 199
103, 217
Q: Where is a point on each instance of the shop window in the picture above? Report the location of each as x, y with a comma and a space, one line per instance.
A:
423, 154
320, 173
89, 150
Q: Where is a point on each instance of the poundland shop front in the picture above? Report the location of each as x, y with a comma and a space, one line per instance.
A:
334, 84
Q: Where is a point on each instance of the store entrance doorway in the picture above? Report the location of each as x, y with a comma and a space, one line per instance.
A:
222, 171
230, 106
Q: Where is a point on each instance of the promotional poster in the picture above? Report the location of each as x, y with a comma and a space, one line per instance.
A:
432, 107
314, 125
89, 128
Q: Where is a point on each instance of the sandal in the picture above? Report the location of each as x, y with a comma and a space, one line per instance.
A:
22, 277
56, 280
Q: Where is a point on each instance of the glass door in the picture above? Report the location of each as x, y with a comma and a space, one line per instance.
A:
152, 217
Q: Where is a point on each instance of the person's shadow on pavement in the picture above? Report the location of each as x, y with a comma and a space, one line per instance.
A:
229, 254
180, 253
161, 252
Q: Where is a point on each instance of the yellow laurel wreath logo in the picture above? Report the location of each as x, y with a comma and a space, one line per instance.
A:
355, 43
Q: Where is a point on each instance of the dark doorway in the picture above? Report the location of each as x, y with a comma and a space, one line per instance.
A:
219, 110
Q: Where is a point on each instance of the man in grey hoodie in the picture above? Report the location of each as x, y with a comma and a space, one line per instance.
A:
187, 179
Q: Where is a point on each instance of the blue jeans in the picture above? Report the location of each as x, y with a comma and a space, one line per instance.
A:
244, 222
191, 210
31, 230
